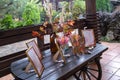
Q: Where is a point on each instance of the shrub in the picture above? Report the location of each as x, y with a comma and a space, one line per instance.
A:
19, 13
103, 5
31, 14
78, 8
7, 22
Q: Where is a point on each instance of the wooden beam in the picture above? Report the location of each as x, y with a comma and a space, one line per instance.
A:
91, 17
90, 7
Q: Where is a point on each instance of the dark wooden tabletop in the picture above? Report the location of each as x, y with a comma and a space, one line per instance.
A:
56, 71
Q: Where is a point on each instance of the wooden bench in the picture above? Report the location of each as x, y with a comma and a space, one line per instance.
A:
57, 71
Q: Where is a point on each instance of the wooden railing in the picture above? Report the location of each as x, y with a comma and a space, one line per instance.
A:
9, 37
16, 35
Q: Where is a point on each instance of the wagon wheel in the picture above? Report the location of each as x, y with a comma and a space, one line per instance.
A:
92, 71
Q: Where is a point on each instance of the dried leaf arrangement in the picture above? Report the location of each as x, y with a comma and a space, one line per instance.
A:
78, 44
48, 8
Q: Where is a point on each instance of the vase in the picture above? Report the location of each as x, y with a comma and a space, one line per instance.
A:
53, 46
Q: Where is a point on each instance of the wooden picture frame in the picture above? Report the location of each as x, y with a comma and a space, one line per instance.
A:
59, 52
89, 36
46, 39
35, 61
33, 44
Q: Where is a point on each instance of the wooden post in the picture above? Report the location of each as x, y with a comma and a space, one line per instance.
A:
90, 7
91, 18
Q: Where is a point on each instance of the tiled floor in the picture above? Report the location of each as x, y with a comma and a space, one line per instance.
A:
110, 63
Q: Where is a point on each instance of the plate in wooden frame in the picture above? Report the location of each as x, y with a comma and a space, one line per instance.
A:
35, 61
89, 37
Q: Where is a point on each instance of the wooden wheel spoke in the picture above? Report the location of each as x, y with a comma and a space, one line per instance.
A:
80, 73
93, 69
76, 77
88, 76
92, 75
82, 76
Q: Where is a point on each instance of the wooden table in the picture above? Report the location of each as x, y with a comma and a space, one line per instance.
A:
58, 71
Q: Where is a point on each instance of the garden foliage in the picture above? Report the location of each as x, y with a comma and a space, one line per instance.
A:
19, 13
103, 5
31, 14
78, 8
